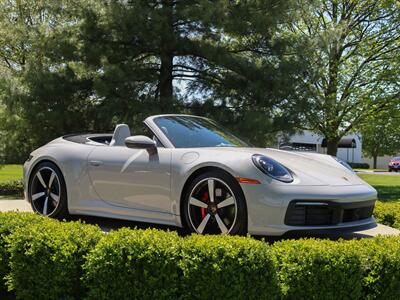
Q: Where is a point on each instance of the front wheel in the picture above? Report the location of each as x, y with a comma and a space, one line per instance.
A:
46, 191
214, 204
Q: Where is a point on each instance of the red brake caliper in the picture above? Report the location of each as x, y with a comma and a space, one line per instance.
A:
205, 199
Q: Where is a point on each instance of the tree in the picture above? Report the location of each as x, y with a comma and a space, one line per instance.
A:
381, 135
43, 94
229, 55
142, 47
354, 49
83, 65
253, 87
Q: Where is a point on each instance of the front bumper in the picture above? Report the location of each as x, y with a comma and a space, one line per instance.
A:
268, 206
317, 213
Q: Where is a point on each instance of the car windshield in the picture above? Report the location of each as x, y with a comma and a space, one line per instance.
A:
193, 132
396, 158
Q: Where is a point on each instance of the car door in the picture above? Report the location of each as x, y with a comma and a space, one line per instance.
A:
132, 178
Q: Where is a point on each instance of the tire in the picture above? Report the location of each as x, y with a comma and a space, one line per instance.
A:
47, 192
224, 213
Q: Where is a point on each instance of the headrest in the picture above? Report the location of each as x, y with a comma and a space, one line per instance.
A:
121, 132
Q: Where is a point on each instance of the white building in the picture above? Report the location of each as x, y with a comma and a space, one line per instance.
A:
350, 146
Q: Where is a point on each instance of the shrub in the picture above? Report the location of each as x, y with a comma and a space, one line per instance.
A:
47, 257
359, 165
356, 269
224, 267
388, 213
14, 187
134, 264
380, 261
9, 223
318, 269
151, 264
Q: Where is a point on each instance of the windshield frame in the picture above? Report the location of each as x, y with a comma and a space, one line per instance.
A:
150, 122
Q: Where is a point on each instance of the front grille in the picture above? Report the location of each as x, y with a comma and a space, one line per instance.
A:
313, 213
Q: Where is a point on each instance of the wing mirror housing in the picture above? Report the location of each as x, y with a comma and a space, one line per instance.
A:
141, 142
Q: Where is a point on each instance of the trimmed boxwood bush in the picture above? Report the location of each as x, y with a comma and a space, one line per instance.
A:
358, 165
9, 223
318, 269
380, 259
226, 267
151, 264
14, 187
47, 257
356, 269
388, 213
134, 264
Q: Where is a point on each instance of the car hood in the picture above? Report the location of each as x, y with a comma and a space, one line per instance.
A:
308, 168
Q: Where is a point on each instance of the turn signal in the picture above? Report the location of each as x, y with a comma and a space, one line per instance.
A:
247, 180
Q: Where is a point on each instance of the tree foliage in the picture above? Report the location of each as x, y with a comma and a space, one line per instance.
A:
258, 66
43, 95
381, 134
85, 65
230, 58
354, 49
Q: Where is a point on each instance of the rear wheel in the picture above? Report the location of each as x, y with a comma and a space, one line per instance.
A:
47, 193
214, 204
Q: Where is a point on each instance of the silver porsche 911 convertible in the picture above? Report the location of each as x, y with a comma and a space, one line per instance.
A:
189, 172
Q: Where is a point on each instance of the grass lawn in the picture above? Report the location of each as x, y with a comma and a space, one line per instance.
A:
374, 170
388, 187
10, 172
381, 180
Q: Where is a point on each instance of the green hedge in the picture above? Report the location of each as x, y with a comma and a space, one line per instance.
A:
14, 187
388, 213
48, 259
151, 264
310, 269
9, 223
359, 165
224, 267
380, 259
321, 269
134, 264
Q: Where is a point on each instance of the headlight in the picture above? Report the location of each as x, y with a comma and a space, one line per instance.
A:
343, 163
272, 168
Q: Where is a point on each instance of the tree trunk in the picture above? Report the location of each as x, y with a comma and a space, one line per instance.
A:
165, 85
332, 146
167, 56
375, 161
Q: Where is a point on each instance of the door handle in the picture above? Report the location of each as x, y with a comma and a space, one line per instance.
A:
96, 163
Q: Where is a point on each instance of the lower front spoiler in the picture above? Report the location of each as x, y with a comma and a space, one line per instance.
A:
304, 231
328, 232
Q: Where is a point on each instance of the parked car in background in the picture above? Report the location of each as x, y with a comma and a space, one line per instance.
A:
394, 164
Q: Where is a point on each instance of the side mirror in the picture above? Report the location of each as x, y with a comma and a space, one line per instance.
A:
140, 142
